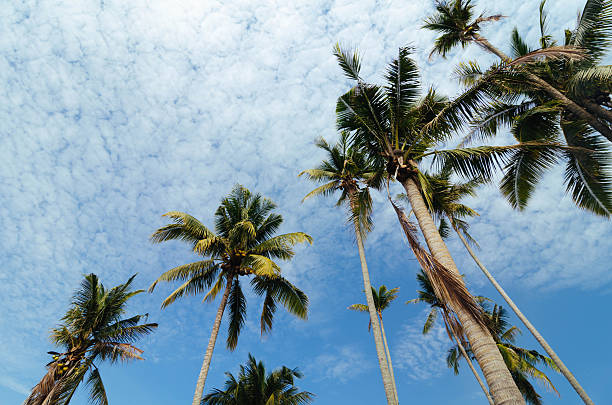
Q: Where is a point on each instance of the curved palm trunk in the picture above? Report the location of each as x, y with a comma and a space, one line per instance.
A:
380, 348
469, 362
384, 335
571, 105
502, 387
566, 372
197, 398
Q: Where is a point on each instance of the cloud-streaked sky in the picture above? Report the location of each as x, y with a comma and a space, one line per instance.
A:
115, 112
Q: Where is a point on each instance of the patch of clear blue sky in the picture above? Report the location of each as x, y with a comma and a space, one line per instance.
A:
116, 112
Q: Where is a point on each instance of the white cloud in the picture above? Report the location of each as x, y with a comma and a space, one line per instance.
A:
421, 357
116, 112
340, 365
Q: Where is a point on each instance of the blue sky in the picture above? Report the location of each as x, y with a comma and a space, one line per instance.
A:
116, 112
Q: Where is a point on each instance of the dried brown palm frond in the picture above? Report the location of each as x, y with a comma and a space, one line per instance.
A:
488, 18
552, 53
448, 287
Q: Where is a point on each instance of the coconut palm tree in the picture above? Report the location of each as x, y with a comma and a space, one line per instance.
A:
531, 115
350, 172
396, 125
93, 330
427, 295
457, 25
242, 245
445, 202
522, 363
255, 386
382, 300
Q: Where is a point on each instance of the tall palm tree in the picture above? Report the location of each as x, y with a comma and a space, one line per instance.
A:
455, 22
242, 245
93, 330
349, 171
445, 202
427, 295
255, 386
522, 363
394, 124
382, 300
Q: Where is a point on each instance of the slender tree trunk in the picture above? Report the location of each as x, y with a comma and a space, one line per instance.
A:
380, 348
569, 104
502, 387
384, 335
469, 362
197, 398
598, 110
566, 372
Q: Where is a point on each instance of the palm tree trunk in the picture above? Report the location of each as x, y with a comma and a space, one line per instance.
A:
571, 105
469, 362
380, 348
598, 110
502, 386
566, 372
197, 398
384, 335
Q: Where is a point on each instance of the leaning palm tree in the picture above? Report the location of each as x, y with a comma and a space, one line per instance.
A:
382, 300
428, 296
349, 171
522, 363
93, 330
509, 101
455, 22
255, 386
395, 125
242, 245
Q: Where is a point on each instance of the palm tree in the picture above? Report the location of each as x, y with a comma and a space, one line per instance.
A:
94, 329
256, 387
349, 171
242, 245
394, 124
382, 300
444, 202
521, 362
455, 22
507, 100
427, 295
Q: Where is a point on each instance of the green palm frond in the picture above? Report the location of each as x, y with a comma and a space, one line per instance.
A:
97, 393
594, 30
283, 292
358, 307
187, 271
237, 312
587, 80
430, 321
518, 46
261, 266
281, 246
185, 227
587, 176
197, 284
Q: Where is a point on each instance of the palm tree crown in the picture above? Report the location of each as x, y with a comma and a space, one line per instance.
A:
255, 386
382, 299
242, 245
94, 329
348, 170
